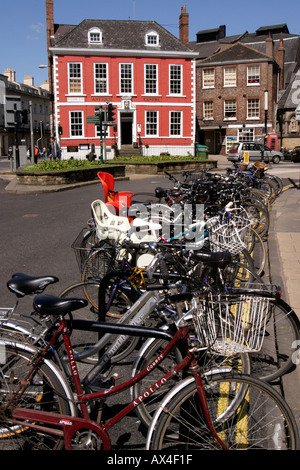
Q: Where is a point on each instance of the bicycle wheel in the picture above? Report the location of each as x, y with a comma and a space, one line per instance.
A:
276, 181
259, 216
151, 350
260, 197
281, 339
268, 188
43, 392
88, 290
256, 248
261, 421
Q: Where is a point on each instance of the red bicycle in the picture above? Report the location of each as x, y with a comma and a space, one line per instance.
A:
40, 410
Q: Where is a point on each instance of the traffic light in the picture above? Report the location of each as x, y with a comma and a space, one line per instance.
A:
111, 113
60, 130
24, 113
99, 112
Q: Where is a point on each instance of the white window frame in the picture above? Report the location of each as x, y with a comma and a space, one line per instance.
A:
103, 80
226, 109
92, 34
81, 123
130, 80
105, 131
152, 80
208, 110
208, 77
152, 39
229, 76
77, 79
256, 108
178, 124
155, 113
246, 135
173, 80
253, 76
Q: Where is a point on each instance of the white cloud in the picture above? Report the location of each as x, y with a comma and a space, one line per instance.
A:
38, 28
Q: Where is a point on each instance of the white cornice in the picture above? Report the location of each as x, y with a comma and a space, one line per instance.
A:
121, 52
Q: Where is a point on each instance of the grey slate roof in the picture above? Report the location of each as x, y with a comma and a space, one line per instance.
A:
257, 40
290, 98
118, 35
233, 54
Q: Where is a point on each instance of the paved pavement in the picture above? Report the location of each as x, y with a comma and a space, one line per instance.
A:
283, 247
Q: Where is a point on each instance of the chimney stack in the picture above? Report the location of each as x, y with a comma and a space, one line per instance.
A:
50, 21
184, 26
270, 46
28, 80
280, 61
10, 74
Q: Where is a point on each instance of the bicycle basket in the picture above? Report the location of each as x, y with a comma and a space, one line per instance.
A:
83, 246
94, 260
232, 326
230, 235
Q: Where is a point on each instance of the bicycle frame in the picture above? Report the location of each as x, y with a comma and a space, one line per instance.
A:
66, 426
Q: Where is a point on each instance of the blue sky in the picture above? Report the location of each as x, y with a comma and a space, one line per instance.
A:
23, 22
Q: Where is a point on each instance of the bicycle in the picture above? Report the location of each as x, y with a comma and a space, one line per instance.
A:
29, 380
268, 365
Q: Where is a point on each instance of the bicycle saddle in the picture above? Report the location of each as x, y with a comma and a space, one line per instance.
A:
49, 305
218, 259
22, 284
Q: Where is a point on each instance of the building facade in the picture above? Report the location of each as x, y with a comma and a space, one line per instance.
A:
247, 86
33, 105
236, 97
138, 67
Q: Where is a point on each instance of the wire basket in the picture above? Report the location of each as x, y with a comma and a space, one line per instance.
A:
83, 245
232, 234
232, 326
93, 260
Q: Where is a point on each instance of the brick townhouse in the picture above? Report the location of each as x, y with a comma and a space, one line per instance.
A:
146, 73
245, 86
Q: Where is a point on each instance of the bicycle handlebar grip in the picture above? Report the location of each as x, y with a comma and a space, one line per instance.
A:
164, 270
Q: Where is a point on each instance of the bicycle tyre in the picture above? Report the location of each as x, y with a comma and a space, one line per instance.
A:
257, 251
44, 392
259, 216
281, 339
148, 354
263, 420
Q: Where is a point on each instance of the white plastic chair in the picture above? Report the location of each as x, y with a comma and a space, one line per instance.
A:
109, 225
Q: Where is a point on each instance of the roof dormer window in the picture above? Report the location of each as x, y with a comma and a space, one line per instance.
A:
152, 39
95, 36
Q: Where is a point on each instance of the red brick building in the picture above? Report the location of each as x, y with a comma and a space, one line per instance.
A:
236, 96
237, 78
146, 73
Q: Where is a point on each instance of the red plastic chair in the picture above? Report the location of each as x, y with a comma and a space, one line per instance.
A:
117, 199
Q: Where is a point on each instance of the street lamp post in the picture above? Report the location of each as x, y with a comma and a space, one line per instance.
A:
266, 122
31, 132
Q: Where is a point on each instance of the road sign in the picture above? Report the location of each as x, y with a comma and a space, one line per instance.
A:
246, 157
92, 120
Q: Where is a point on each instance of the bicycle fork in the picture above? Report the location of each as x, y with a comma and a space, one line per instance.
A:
204, 408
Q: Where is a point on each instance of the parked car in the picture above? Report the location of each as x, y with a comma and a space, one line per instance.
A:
257, 152
295, 154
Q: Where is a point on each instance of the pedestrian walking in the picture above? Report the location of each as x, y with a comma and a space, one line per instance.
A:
36, 154
55, 152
